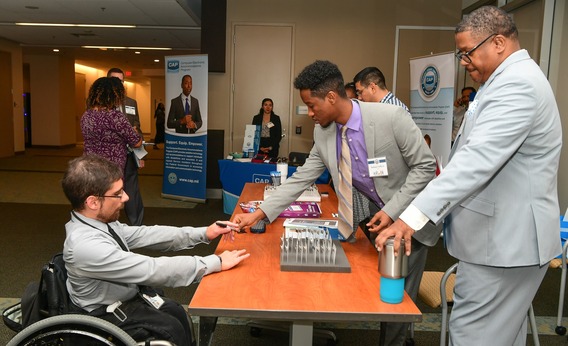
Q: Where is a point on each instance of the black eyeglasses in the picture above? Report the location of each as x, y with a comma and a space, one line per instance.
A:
465, 56
112, 196
358, 92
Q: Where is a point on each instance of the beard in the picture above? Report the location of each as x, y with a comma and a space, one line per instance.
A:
108, 217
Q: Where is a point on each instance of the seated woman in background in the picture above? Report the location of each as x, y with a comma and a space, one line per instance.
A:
271, 129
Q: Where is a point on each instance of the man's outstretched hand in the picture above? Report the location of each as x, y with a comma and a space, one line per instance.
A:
232, 258
399, 230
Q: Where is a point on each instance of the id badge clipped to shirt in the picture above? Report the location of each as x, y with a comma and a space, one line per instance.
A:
378, 167
130, 110
270, 124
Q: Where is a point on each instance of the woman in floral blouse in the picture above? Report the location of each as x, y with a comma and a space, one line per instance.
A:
106, 131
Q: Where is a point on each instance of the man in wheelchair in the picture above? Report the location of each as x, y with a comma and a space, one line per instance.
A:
107, 280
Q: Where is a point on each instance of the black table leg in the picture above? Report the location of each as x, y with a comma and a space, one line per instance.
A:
206, 329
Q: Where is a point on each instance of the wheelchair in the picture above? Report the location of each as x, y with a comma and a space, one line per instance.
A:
59, 324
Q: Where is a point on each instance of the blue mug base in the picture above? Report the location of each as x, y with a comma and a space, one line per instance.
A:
392, 290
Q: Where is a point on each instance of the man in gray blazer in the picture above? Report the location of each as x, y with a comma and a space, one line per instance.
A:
134, 207
375, 130
498, 193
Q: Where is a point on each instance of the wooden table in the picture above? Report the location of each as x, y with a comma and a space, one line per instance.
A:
257, 289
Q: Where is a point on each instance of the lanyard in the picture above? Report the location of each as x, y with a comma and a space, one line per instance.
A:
110, 230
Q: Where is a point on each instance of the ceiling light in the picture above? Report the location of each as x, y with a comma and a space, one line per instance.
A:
136, 52
119, 47
119, 26
56, 50
79, 25
156, 60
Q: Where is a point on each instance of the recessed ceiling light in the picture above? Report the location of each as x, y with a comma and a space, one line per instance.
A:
78, 25
134, 48
136, 52
56, 50
156, 60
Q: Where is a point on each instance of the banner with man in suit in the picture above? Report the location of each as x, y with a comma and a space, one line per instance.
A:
185, 154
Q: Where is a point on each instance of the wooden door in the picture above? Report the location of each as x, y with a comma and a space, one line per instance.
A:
80, 104
6, 106
262, 67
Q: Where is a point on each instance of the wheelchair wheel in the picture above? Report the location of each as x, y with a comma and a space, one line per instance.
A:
72, 330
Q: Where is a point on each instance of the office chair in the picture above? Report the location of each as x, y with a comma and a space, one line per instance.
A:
436, 289
297, 159
556, 263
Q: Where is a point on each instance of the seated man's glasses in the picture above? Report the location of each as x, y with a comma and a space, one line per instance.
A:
112, 196
118, 195
465, 56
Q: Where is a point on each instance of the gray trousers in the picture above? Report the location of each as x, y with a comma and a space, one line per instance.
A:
491, 304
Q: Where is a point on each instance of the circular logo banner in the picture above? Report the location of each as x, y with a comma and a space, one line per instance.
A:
429, 83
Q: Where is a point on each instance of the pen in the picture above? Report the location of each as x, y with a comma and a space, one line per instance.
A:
224, 225
230, 234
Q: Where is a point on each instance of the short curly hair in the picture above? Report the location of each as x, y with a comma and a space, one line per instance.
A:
321, 77
488, 20
106, 92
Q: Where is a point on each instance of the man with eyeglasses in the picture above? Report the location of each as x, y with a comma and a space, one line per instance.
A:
370, 86
107, 280
498, 193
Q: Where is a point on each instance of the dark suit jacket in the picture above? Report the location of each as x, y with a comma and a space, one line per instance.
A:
130, 110
177, 113
275, 132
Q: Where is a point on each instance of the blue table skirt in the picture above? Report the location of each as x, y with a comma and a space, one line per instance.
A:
234, 176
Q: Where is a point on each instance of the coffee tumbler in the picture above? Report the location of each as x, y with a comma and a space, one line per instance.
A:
393, 270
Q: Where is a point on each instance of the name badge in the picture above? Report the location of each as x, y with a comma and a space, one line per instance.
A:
130, 110
270, 124
378, 167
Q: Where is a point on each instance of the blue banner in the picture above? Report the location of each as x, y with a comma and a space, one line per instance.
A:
184, 167
185, 155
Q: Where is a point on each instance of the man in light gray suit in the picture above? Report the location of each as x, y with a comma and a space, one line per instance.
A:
374, 130
498, 193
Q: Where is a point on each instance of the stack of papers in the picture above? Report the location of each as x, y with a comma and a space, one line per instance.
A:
311, 194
